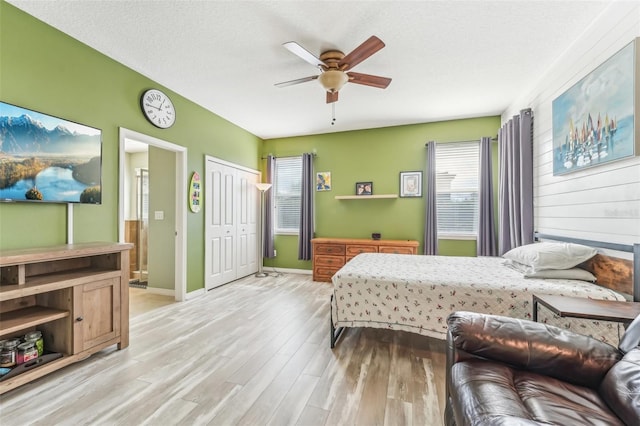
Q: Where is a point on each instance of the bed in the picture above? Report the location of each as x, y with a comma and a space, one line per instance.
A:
417, 293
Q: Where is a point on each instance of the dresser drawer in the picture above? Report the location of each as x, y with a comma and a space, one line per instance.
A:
322, 278
329, 261
354, 250
397, 250
324, 273
333, 249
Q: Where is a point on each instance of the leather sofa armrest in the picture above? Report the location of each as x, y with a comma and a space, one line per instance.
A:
621, 387
532, 346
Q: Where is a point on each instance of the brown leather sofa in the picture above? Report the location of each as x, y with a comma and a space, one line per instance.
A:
506, 371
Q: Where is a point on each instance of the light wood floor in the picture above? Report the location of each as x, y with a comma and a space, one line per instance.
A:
254, 352
142, 301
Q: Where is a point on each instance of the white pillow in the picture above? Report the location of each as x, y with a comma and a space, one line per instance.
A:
547, 255
564, 274
560, 274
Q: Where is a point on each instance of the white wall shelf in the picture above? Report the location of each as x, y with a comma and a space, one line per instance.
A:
365, 197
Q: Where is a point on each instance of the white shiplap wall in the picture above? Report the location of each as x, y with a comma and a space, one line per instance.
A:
598, 203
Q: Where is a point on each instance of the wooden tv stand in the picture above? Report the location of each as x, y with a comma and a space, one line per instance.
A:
330, 254
77, 295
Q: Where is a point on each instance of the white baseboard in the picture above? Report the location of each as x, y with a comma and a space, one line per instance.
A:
288, 270
161, 291
196, 293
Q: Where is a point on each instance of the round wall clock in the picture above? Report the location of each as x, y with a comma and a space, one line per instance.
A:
158, 108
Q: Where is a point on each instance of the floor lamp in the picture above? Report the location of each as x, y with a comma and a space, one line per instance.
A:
262, 187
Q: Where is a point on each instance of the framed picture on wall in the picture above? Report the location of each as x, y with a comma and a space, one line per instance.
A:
594, 121
411, 184
364, 188
323, 181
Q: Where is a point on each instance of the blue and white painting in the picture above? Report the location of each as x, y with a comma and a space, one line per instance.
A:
593, 121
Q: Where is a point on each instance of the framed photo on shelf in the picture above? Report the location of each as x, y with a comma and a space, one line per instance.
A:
411, 184
364, 188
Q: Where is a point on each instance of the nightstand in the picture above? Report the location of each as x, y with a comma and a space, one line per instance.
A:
578, 307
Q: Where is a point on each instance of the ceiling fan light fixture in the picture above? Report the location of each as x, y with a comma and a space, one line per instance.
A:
333, 80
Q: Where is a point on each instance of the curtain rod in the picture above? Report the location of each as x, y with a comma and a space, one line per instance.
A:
313, 154
494, 139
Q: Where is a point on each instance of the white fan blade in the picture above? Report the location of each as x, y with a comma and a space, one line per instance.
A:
303, 53
298, 81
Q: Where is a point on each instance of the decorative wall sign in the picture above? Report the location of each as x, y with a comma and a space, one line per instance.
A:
195, 190
594, 122
323, 181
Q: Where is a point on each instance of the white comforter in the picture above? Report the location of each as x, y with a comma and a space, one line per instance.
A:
417, 293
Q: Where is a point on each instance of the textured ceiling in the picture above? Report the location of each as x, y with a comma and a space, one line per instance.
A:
448, 59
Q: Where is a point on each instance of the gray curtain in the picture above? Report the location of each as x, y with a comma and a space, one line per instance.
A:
515, 198
487, 244
306, 209
269, 248
431, 222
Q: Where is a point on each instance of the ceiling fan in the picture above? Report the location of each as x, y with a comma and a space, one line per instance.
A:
334, 67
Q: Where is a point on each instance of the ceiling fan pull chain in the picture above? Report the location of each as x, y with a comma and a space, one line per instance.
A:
333, 116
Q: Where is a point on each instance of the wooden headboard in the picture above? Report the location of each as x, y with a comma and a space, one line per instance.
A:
618, 274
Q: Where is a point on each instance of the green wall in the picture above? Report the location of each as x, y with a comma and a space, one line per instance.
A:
43, 69
377, 155
162, 198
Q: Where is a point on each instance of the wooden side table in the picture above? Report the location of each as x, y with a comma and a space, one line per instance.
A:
578, 307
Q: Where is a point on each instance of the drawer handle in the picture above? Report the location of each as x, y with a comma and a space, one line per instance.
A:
79, 319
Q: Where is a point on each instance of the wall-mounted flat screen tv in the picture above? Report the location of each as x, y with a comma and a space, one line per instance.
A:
46, 159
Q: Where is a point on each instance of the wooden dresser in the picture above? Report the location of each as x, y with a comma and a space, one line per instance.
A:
330, 254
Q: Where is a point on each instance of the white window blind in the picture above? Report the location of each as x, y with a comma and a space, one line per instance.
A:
288, 187
457, 181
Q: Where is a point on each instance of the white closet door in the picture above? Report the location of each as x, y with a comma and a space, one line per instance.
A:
220, 232
248, 205
231, 222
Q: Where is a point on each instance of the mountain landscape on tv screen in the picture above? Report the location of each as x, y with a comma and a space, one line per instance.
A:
57, 162
24, 135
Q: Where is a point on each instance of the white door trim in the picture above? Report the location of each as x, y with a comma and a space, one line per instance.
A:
181, 197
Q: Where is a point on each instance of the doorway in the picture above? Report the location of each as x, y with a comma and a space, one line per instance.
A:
137, 217
173, 232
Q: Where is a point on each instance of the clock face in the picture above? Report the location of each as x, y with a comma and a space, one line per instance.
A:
158, 108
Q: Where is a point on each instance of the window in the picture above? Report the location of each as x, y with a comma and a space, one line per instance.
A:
287, 191
457, 188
